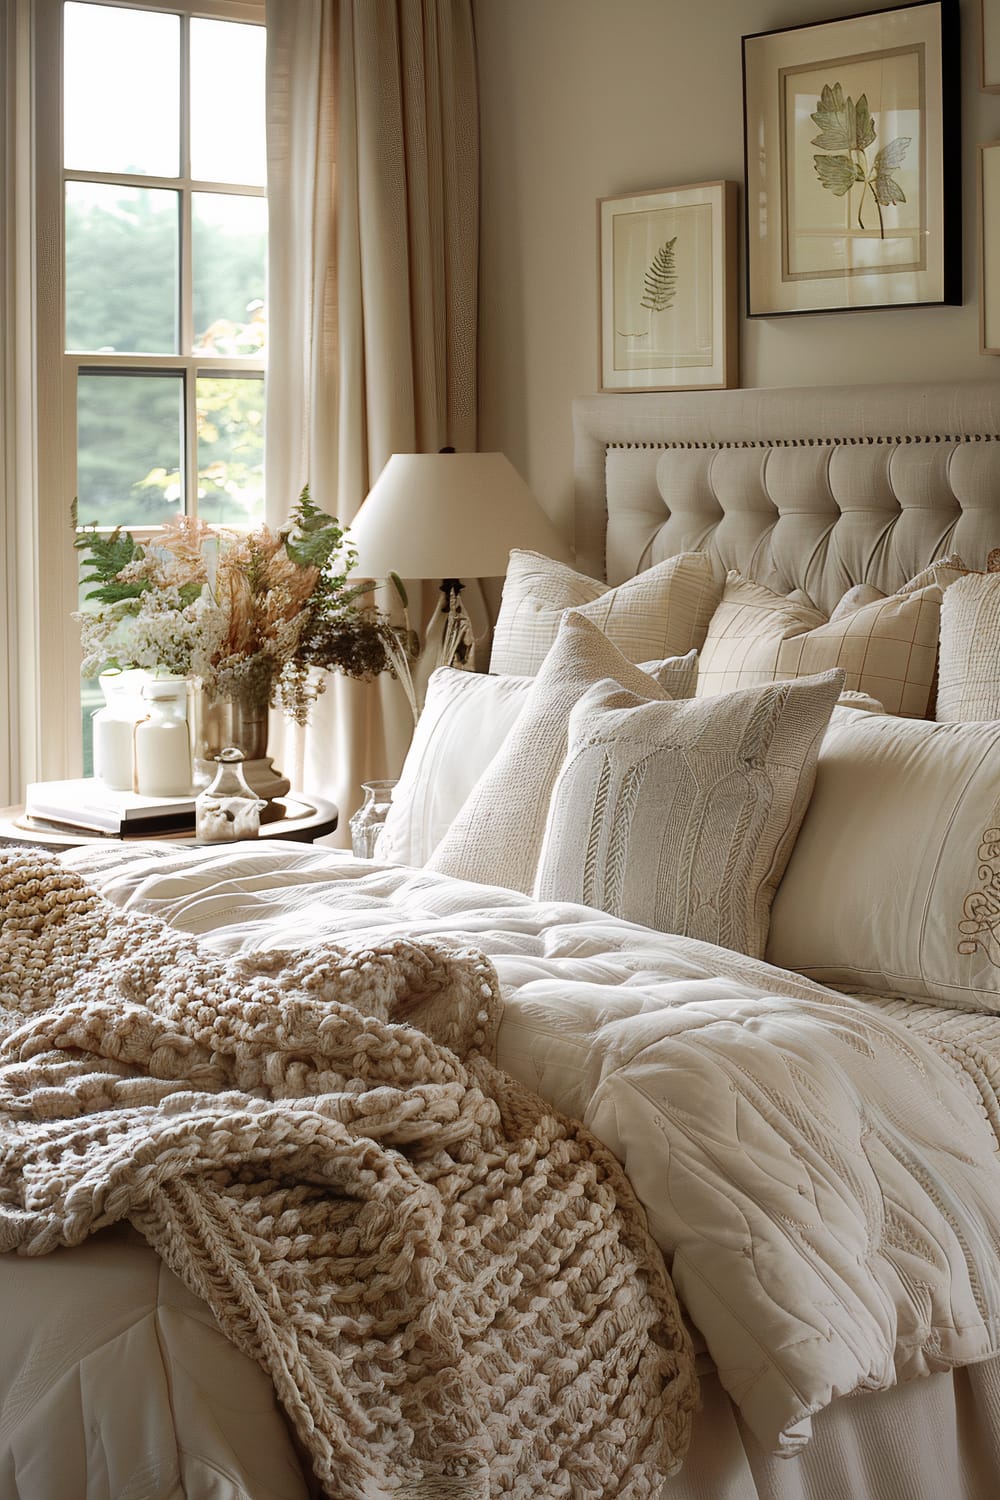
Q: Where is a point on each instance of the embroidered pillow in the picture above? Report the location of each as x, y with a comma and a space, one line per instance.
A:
682, 816
887, 647
661, 612
466, 719
894, 883
496, 836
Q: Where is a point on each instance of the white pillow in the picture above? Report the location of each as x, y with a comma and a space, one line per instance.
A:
969, 667
466, 717
894, 883
661, 612
496, 836
682, 816
887, 647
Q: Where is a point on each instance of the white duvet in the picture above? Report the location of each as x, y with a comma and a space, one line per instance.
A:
821, 1175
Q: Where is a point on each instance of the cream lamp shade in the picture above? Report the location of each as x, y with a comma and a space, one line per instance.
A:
449, 515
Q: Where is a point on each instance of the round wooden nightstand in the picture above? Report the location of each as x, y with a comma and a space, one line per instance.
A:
306, 819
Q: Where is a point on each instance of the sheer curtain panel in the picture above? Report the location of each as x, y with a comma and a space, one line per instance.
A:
373, 184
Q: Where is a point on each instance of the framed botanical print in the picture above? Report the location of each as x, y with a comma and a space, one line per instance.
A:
989, 46
669, 314
989, 248
851, 140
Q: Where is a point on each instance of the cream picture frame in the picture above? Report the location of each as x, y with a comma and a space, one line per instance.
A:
989, 248
989, 46
669, 289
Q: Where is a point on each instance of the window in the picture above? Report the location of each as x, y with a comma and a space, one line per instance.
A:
154, 190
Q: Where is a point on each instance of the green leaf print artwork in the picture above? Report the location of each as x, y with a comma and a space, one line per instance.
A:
846, 130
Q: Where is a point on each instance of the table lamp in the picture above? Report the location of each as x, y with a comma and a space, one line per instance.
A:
450, 516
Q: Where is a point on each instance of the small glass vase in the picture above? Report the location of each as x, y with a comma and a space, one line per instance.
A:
217, 722
227, 810
366, 824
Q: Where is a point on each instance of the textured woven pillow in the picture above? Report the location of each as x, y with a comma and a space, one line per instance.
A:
894, 882
466, 719
496, 836
887, 647
682, 816
661, 612
969, 664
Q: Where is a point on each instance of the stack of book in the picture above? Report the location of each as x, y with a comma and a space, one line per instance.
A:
88, 806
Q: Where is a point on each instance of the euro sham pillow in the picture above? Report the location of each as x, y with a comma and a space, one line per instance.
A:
886, 646
497, 835
682, 816
894, 882
659, 613
969, 665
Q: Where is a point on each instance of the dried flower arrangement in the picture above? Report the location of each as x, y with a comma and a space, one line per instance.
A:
249, 614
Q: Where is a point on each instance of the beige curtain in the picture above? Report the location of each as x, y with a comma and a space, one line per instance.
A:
19, 739
373, 187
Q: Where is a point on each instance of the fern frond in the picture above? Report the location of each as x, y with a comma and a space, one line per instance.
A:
660, 284
108, 555
312, 537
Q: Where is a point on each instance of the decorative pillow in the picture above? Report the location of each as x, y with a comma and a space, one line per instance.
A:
894, 883
662, 612
466, 719
682, 816
969, 664
887, 647
496, 837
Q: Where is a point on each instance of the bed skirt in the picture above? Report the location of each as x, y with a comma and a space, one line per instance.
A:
146, 1396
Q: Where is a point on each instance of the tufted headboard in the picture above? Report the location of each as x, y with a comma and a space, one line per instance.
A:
813, 488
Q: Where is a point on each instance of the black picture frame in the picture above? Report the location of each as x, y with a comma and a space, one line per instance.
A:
852, 151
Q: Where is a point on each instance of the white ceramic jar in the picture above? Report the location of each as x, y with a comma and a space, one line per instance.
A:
161, 742
113, 727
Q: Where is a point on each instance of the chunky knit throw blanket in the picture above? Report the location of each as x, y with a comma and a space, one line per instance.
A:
452, 1289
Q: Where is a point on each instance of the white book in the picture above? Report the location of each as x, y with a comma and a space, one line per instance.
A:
88, 803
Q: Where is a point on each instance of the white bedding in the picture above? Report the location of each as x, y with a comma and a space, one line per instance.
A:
822, 1178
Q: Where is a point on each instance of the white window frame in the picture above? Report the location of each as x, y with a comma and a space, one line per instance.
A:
57, 646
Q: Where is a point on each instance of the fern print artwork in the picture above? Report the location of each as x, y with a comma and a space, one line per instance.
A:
659, 286
846, 132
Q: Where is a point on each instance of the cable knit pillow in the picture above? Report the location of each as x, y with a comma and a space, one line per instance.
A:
496, 836
887, 646
661, 612
894, 883
466, 719
682, 816
969, 666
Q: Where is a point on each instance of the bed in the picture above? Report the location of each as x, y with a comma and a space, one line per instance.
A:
819, 1170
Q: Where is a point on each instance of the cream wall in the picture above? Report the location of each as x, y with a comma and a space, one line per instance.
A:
582, 99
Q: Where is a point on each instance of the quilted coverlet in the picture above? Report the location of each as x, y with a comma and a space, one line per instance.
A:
451, 1287
821, 1172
